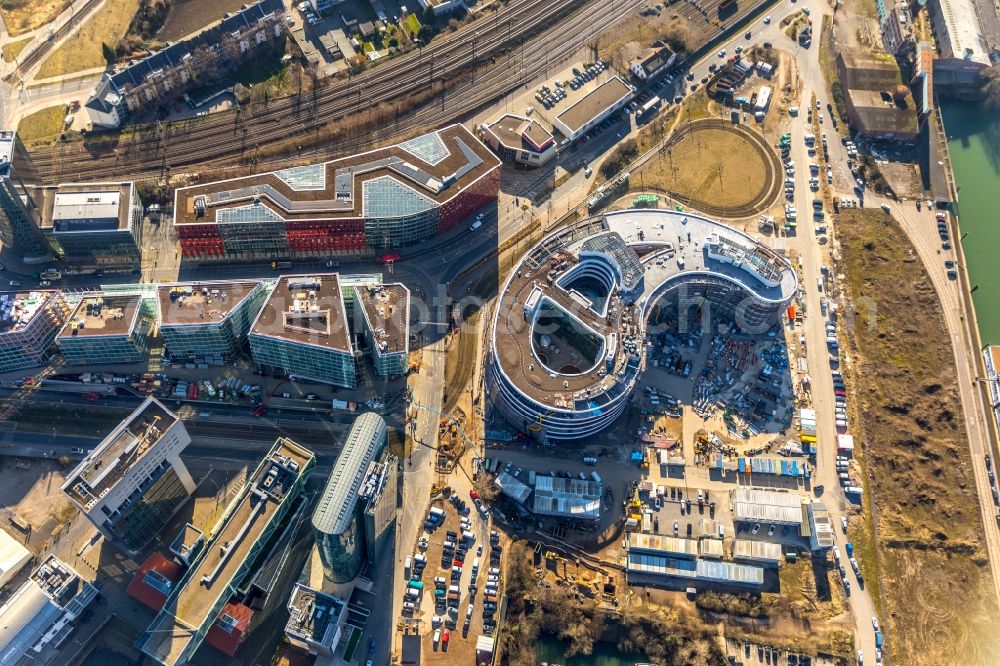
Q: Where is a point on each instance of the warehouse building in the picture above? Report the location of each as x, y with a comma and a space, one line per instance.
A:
820, 527
357, 206
41, 614
13, 557
768, 507
385, 310
664, 546
510, 486
92, 225
567, 498
519, 139
962, 50
200, 606
302, 330
338, 524
594, 107
760, 552
315, 620
879, 105
134, 480
201, 319
108, 329
644, 568
29, 324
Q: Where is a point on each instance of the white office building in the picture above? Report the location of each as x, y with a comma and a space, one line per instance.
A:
134, 481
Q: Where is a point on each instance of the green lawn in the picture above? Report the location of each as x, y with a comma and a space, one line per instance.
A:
12, 50
411, 24
42, 126
83, 50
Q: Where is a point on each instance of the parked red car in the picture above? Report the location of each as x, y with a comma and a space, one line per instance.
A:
473, 494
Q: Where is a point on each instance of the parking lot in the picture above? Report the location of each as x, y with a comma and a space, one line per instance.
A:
455, 575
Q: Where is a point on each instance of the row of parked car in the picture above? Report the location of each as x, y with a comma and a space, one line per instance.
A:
589, 73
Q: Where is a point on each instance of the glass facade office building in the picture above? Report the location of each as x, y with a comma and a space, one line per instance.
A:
338, 521
189, 335
29, 323
318, 363
79, 346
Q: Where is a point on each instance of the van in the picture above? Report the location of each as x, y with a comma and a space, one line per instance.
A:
412, 593
406, 566
468, 536
456, 570
420, 559
794, 110
819, 283
475, 566
453, 589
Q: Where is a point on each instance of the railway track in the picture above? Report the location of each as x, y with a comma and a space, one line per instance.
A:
218, 137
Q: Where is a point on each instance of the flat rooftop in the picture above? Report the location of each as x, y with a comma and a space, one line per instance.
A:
17, 309
200, 302
85, 207
213, 575
29, 618
121, 450
103, 315
386, 308
308, 309
594, 102
680, 244
519, 133
313, 615
398, 180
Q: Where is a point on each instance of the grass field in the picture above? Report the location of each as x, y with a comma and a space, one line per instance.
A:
42, 127
12, 50
83, 49
22, 16
708, 165
922, 551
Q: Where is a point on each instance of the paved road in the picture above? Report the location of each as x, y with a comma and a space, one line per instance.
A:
814, 255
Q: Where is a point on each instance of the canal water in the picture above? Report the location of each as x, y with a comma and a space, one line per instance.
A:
974, 144
551, 651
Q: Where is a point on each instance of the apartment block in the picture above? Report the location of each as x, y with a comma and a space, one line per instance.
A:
108, 330
134, 481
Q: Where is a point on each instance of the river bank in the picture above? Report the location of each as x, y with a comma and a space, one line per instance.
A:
974, 144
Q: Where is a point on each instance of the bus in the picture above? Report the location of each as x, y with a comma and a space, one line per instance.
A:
51, 274
649, 109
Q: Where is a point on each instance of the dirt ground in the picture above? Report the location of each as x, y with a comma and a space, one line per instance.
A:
710, 165
25, 15
188, 16
34, 496
928, 562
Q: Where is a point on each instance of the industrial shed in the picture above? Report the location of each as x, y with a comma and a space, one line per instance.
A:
655, 544
512, 488
710, 548
753, 505
763, 552
567, 498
